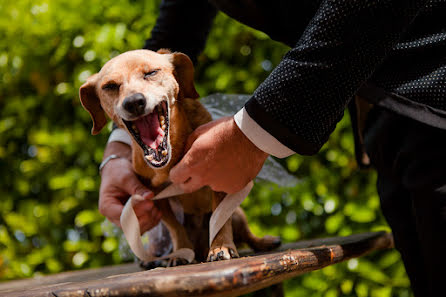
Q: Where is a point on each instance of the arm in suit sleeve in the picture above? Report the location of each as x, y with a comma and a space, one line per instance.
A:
182, 25
302, 100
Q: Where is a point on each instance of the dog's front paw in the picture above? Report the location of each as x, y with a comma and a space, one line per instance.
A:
173, 262
153, 264
222, 253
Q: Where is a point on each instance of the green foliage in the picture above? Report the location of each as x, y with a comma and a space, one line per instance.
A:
48, 160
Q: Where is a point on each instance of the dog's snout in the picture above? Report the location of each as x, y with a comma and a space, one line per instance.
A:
135, 104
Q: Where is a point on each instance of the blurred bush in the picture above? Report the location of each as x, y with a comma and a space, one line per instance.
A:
48, 160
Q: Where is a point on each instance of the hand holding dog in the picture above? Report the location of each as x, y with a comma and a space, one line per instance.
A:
218, 155
118, 183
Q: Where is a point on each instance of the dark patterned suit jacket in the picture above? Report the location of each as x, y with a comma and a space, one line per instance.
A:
392, 52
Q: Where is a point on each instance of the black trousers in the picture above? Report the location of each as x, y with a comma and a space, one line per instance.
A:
410, 158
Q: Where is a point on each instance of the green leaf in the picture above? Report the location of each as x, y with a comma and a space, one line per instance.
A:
86, 217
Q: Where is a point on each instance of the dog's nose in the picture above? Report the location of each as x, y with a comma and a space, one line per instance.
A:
135, 104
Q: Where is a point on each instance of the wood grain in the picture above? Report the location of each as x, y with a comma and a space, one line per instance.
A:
225, 278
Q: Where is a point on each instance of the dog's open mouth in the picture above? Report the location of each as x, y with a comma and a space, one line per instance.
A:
151, 132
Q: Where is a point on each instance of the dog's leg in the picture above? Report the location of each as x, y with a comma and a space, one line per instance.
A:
176, 230
242, 234
222, 247
160, 245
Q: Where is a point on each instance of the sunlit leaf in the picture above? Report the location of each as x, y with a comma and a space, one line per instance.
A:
86, 217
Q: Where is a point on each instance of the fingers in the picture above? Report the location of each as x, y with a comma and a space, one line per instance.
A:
192, 185
188, 173
149, 221
145, 207
133, 186
180, 173
118, 183
146, 212
111, 209
186, 176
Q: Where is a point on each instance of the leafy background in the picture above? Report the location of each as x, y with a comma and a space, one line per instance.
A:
48, 160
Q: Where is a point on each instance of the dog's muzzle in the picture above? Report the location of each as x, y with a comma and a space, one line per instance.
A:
135, 104
150, 131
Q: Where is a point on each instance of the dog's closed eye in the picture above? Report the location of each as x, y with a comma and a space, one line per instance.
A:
150, 73
111, 86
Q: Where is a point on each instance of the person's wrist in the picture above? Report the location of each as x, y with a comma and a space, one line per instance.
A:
115, 167
106, 160
122, 151
260, 137
247, 141
118, 148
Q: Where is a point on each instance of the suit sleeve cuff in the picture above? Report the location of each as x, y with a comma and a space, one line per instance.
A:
120, 135
257, 135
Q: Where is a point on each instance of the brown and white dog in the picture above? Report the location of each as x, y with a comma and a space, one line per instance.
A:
152, 95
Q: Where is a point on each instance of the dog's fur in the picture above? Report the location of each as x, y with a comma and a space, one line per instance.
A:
164, 76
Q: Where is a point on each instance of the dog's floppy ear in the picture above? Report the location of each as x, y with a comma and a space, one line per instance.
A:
184, 74
164, 51
90, 101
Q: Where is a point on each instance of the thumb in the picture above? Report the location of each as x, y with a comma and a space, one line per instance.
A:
191, 139
134, 186
195, 134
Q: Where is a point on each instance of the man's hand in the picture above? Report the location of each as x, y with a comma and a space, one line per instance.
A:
220, 156
118, 183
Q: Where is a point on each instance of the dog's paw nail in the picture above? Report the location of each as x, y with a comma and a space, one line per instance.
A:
177, 262
221, 255
151, 265
233, 253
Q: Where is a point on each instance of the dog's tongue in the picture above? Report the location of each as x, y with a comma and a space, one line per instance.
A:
150, 130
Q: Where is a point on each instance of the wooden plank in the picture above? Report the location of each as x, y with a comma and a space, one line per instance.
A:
68, 277
224, 278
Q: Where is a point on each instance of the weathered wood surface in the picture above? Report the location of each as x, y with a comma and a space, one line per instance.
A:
224, 278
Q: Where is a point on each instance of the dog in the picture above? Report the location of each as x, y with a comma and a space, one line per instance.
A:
152, 95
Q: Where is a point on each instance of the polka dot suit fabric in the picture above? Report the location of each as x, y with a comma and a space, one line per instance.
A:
337, 46
346, 44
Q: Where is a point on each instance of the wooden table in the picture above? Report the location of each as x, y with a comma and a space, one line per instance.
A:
224, 278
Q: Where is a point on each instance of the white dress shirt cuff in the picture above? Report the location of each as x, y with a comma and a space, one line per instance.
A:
120, 135
260, 137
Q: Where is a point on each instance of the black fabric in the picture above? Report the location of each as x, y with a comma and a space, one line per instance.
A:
359, 146
391, 52
410, 159
398, 45
182, 26
421, 112
283, 21
339, 50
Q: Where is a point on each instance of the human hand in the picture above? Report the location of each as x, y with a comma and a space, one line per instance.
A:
218, 155
118, 183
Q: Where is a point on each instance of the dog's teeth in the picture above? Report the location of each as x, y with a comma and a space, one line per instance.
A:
164, 153
162, 122
163, 127
134, 127
149, 157
162, 119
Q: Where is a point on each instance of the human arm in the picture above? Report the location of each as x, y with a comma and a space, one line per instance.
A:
302, 100
305, 96
218, 155
118, 183
183, 26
